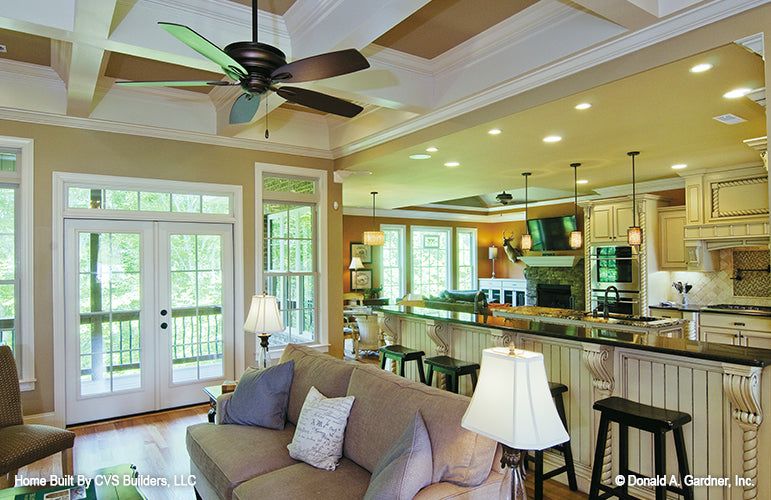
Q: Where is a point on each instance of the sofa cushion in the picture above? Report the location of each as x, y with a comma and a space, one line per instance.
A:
261, 397
228, 455
311, 368
384, 406
405, 468
318, 438
349, 481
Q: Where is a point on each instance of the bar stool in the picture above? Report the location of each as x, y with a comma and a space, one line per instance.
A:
557, 390
657, 421
453, 368
402, 354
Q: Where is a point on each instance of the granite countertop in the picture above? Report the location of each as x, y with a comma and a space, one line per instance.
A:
748, 356
680, 307
582, 316
711, 309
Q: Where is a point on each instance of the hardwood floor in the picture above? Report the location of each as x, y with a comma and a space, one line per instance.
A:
156, 445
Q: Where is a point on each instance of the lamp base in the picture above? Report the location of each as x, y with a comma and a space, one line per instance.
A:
263, 357
513, 485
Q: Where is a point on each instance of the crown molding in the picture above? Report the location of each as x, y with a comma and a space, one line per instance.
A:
426, 214
402, 61
159, 133
304, 15
603, 52
11, 70
642, 187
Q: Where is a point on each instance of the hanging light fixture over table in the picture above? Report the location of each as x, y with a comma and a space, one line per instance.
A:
634, 233
576, 237
373, 237
527, 241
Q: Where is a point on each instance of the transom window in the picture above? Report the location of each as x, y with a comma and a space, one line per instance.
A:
94, 198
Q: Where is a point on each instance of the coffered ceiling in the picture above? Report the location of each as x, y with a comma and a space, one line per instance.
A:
443, 72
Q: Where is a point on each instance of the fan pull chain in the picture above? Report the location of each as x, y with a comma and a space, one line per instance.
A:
267, 134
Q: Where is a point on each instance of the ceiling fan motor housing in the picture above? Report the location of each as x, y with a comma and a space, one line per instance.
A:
259, 59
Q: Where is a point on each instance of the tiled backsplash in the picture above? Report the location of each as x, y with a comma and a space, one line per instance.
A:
717, 287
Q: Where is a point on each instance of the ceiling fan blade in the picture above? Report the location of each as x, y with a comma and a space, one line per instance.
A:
321, 66
317, 100
244, 108
230, 66
172, 83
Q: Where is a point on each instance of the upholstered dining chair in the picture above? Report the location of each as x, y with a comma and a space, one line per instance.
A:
350, 327
22, 444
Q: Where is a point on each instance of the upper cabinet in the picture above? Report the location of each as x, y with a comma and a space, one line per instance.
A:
672, 252
727, 207
610, 221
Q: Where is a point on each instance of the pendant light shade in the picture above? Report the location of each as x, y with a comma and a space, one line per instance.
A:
576, 237
526, 243
634, 233
374, 238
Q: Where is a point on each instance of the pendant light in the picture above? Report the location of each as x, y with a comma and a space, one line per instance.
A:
527, 241
634, 233
576, 237
374, 238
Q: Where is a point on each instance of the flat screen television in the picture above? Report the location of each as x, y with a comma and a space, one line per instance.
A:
552, 233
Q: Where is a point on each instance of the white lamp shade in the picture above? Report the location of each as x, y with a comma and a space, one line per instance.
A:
576, 239
492, 253
526, 242
264, 316
356, 263
512, 403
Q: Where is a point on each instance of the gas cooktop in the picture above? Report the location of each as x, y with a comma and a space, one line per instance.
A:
740, 308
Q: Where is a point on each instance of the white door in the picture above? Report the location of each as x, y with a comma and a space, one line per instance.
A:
149, 315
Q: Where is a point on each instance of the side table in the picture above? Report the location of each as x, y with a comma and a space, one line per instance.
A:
213, 391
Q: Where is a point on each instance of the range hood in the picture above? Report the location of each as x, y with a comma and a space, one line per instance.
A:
551, 260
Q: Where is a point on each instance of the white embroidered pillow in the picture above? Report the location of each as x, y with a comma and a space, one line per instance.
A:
318, 438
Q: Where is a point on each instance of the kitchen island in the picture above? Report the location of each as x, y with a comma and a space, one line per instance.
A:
724, 389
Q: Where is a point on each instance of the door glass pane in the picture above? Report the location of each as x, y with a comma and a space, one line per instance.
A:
195, 262
109, 289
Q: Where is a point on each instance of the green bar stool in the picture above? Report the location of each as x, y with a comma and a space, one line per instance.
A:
453, 368
402, 354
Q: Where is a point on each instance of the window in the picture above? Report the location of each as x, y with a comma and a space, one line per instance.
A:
466, 248
16, 293
92, 198
431, 260
289, 250
392, 262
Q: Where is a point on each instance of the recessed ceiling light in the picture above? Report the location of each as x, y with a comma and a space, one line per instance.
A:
451, 164
552, 138
582, 181
733, 94
494, 131
432, 149
679, 166
420, 156
699, 68
583, 105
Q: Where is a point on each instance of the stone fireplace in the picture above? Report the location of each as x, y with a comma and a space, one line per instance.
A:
559, 286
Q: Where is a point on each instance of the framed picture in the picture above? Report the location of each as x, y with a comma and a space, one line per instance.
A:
364, 252
361, 279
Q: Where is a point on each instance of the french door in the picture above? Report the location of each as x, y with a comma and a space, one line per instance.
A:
149, 315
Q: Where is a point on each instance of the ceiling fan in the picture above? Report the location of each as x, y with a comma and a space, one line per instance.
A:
257, 67
503, 198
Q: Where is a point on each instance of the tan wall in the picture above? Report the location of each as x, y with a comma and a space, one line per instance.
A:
83, 151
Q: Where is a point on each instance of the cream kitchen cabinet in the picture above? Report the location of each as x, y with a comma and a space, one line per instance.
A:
672, 251
692, 316
735, 329
610, 222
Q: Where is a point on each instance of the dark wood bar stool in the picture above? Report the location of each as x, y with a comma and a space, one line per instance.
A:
403, 354
453, 368
657, 421
539, 477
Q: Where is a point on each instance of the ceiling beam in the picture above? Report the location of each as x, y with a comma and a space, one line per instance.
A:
79, 64
317, 27
626, 13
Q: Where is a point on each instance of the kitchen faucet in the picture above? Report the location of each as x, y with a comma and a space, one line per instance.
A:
605, 301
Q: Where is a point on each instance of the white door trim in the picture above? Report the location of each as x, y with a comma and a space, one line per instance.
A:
59, 181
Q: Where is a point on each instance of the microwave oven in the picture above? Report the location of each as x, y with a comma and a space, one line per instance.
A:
617, 266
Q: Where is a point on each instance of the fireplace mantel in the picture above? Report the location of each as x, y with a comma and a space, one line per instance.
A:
551, 260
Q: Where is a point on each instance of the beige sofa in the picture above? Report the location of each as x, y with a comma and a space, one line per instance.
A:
243, 462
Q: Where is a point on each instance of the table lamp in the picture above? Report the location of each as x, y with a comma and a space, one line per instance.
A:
263, 319
356, 264
512, 404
